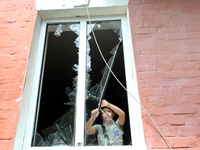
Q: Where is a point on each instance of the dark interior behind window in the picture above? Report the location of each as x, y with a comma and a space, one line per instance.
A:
58, 73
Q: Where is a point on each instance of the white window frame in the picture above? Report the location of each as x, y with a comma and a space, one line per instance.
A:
137, 134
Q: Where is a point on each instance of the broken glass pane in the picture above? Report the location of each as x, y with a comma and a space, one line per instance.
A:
55, 140
65, 127
58, 31
108, 34
55, 122
72, 93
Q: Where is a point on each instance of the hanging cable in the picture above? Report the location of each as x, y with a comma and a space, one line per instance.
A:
119, 81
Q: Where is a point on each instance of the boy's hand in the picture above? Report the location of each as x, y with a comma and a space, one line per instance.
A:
105, 104
94, 113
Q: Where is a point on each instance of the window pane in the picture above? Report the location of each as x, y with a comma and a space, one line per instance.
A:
54, 124
102, 85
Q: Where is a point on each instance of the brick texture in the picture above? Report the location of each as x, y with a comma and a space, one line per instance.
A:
17, 20
166, 43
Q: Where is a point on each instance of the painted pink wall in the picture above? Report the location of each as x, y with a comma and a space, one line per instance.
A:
17, 20
166, 43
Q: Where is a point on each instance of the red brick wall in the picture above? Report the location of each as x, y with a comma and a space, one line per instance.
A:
166, 42
17, 18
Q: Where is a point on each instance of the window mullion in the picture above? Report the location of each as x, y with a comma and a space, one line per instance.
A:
80, 98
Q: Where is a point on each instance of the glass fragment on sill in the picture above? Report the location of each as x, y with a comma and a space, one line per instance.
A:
65, 127
55, 140
58, 30
60, 134
39, 141
46, 132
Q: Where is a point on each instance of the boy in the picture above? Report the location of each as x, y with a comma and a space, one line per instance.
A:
110, 127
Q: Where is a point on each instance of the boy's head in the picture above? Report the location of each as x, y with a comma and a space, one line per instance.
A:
109, 112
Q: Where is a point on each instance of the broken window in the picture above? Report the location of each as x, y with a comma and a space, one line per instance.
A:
51, 127
55, 118
101, 83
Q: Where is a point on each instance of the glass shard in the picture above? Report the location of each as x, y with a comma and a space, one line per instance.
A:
58, 30
39, 141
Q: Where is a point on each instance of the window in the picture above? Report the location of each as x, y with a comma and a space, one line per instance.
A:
70, 77
57, 99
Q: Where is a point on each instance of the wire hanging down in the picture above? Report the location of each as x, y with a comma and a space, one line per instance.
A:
119, 81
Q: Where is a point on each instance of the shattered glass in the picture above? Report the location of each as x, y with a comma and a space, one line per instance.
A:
99, 87
96, 93
61, 133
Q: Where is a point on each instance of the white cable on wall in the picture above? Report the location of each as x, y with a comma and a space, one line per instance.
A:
120, 82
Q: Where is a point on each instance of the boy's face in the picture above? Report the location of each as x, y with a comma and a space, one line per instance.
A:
109, 112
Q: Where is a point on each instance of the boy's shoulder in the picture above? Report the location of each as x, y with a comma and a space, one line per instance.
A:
97, 126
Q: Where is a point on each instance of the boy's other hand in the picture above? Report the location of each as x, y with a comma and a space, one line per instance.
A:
94, 113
